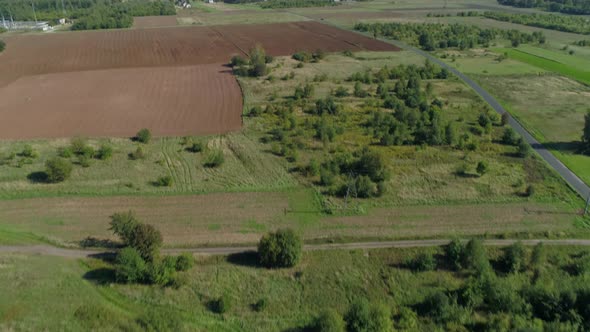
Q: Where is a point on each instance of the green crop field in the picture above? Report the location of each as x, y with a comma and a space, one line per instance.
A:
563, 64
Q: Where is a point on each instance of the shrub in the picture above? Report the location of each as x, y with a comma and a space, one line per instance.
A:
129, 266
280, 249
162, 272
539, 255
524, 149
83, 161
220, 305
28, 152
582, 265
482, 167
144, 238
510, 137
454, 252
79, 146
476, 257
514, 258
105, 152
184, 262
437, 306
365, 188
65, 152
57, 170
214, 158
530, 191
505, 118
484, 120
195, 147
362, 317
164, 181
329, 321
143, 136
260, 305
137, 154
147, 240
2, 45
302, 56
238, 61
424, 262
341, 92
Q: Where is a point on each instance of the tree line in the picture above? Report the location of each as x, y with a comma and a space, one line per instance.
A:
120, 15
546, 21
574, 7
432, 36
87, 14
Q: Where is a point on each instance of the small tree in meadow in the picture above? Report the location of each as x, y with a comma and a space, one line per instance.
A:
280, 249
329, 321
143, 136
57, 170
129, 266
482, 167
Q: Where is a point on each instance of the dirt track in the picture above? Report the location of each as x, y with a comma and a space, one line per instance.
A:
77, 253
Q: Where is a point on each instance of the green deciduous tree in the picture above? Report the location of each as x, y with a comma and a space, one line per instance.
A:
280, 249
586, 133
57, 170
130, 266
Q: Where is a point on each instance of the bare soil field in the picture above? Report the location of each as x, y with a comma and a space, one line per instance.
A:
171, 101
154, 22
91, 50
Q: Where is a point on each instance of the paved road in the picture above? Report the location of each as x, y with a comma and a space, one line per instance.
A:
573, 180
48, 250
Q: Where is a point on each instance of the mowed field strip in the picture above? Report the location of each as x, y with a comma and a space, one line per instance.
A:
61, 77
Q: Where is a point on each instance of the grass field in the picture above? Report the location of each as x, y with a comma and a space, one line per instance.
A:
246, 168
325, 279
564, 64
552, 108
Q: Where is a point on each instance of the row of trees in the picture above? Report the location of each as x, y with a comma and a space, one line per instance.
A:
273, 4
120, 15
575, 7
547, 21
586, 134
87, 14
432, 36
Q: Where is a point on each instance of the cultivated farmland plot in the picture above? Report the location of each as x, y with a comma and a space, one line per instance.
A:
113, 83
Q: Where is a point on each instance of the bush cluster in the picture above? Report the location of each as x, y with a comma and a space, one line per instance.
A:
254, 66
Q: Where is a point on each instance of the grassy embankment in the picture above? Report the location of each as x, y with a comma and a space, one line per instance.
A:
325, 279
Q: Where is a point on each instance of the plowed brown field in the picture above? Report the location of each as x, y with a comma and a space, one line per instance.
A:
171, 101
40, 100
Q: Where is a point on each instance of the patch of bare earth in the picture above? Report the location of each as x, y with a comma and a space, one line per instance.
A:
170, 101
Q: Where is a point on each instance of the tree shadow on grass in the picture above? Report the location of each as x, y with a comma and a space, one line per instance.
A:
100, 276
93, 242
38, 177
248, 258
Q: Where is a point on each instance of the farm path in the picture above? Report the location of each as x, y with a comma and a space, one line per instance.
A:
81, 253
